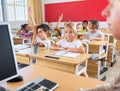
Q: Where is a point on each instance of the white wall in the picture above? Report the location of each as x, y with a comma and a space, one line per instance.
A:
58, 1
16, 24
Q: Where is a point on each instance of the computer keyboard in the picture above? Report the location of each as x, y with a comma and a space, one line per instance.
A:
37, 84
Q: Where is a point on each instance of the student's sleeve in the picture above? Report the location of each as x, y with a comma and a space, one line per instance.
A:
78, 43
44, 43
100, 33
87, 34
59, 43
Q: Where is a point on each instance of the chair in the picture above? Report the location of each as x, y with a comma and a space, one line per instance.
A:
82, 68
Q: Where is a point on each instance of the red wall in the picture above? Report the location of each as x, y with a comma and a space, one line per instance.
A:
75, 11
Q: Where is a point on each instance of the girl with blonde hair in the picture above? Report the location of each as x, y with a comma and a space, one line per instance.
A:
69, 43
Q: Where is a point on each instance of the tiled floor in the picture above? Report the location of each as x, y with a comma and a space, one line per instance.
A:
112, 71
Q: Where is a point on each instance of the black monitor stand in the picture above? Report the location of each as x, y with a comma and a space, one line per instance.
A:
16, 79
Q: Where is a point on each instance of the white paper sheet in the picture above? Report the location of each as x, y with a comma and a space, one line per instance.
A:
25, 51
65, 53
20, 47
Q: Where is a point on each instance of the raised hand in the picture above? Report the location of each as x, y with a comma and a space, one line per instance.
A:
34, 42
29, 11
61, 17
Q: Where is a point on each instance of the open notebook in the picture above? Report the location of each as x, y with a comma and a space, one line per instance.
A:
65, 53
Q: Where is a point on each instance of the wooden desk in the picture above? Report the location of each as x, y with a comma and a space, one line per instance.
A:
22, 54
66, 81
111, 46
118, 45
23, 58
95, 47
64, 63
18, 40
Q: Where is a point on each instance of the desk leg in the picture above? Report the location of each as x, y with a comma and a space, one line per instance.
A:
105, 64
113, 61
32, 61
100, 71
76, 69
99, 64
82, 71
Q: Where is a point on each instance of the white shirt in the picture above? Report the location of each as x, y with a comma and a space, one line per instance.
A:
93, 35
45, 42
73, 44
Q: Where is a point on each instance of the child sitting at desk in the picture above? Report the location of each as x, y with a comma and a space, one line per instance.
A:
84, 27
41, 36
61, 29
93, 33
54, 32
25, 33
40, 33
69, 43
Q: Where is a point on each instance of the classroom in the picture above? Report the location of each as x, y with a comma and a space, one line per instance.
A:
57, 45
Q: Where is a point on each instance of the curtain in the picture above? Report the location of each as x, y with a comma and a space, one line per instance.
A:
36, 6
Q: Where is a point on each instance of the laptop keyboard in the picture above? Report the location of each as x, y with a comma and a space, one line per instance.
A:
44, 84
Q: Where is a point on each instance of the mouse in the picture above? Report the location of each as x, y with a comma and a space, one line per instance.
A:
16, 79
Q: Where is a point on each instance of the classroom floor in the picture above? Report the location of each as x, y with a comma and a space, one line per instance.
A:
112, 71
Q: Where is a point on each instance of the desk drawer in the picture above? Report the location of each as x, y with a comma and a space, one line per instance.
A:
92, 68
55, 65
21, 59
93, 48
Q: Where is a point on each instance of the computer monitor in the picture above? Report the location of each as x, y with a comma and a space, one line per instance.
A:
8, 64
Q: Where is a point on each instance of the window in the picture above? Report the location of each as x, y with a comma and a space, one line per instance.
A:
16, 10
1, 17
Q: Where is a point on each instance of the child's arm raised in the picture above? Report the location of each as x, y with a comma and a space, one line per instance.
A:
59, 21
19, 32
33, 25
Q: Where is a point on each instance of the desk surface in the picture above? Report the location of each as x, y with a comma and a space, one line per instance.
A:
66, 81
66, 60
97, 43
107, 32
